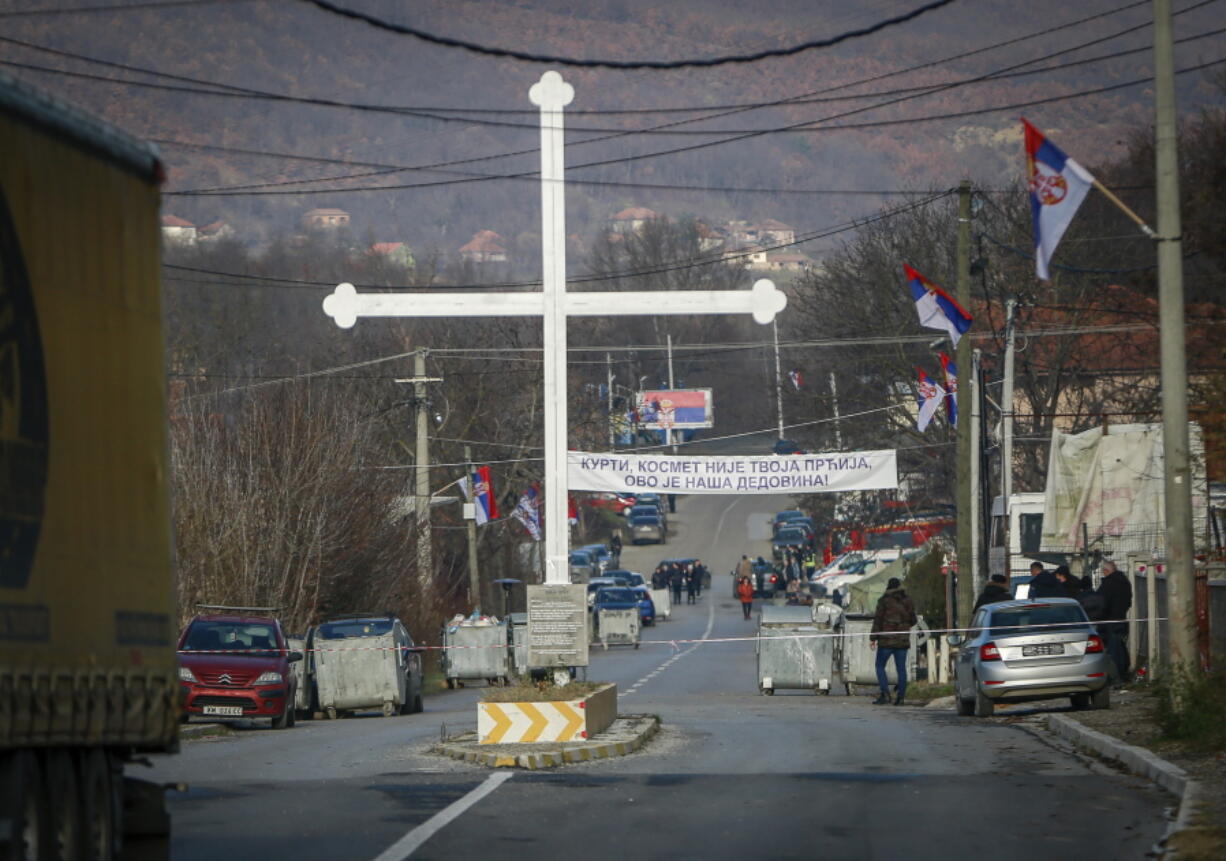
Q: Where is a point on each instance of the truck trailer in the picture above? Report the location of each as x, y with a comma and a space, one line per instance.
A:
88, 672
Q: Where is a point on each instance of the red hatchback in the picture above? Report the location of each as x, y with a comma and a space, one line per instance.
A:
237, 666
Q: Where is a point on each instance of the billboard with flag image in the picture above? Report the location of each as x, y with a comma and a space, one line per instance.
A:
678, 409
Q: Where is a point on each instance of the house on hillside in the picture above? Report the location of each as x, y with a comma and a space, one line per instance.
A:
709, 238
178, 231
486, 246
214, 231
631, 219
768, 232
787, 261
325, 219
394, 252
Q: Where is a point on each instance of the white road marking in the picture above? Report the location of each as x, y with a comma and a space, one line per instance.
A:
411, 842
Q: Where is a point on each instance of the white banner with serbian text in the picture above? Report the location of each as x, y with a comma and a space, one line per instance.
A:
768, 473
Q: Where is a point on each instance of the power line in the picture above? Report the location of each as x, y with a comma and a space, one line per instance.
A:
150, 4
476, 48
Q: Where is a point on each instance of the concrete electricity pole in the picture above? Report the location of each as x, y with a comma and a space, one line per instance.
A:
474, 573
967, 520
1006, 414
421, 492
1178, 485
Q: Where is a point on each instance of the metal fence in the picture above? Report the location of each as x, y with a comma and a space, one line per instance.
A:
1149, 630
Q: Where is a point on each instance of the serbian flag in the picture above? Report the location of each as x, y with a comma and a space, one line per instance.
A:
528, 511
797, 378
930, 397
485, 507
936, 308
1058, 185
951, 388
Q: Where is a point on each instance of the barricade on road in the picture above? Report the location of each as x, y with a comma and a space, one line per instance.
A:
301, 671
618, 627
663, 601
860, 659
475, 650
364, 663
798, 648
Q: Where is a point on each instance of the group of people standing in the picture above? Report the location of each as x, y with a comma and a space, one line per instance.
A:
678, 576
1107, 606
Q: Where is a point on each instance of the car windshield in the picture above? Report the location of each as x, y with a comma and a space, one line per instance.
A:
579, 557
354, 628
230, 636
886, 540
611, 596
1037, 619
644, 520
790, 534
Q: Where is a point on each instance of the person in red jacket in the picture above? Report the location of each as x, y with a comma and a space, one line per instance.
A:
744, 591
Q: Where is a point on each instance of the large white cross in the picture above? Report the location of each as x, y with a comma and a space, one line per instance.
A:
345, 305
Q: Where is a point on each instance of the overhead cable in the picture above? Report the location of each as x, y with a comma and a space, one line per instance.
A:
448, 42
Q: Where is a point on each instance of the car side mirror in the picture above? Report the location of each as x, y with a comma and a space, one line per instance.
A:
955, 639
293, 657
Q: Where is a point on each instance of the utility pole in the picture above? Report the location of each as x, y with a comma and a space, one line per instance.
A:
974, 573
421, 493
608, 367
778, 380
668, 431
967, 524
834, 399
1006, 414
1180, 578
474, 575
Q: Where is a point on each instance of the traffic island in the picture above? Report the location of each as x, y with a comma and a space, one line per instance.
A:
624, 736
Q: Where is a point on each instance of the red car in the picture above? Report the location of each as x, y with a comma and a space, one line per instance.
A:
237, 666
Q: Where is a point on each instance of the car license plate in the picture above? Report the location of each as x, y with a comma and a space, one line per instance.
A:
228, 711
1045, 649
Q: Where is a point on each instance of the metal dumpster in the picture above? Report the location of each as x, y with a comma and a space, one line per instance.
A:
860, 659
618, 627
362, 664
798, 648
663, 599
473, 651
517, 640
301, 671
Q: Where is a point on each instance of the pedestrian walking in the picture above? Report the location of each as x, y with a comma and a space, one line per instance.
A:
691, 585
891, 637
744, 592
1116, 593
615, 550
994, 591
675, 581
1043, 584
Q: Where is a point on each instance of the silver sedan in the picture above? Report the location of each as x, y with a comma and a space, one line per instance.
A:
1020, 651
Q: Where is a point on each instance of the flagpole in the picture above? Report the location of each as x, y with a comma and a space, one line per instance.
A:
1140, 222
778, 380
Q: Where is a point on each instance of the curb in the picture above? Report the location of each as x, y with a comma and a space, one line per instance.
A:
202, 730
1139, 761
498, 756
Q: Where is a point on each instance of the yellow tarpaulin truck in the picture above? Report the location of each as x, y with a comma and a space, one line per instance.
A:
88, 675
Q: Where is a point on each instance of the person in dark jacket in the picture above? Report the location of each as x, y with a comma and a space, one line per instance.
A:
1071, 585
1044, 584
1116, 593
994, 591
891, 637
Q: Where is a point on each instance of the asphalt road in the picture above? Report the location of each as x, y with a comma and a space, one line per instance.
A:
732, 774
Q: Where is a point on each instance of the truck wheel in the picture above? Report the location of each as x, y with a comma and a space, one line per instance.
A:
330, 711
64, 795
99, 805
389, 709
23, 803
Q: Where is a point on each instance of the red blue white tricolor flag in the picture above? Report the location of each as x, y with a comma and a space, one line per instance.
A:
528, 511
951, 388
930, 397
936, 308
1058, 185
485, 507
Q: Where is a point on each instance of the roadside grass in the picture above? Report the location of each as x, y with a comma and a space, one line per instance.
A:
925, 692
540, 692
1201, 723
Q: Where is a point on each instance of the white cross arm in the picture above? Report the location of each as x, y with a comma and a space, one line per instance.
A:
345, 305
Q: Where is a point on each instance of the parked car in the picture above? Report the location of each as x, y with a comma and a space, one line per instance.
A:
597, 583
647, 607
583, 566
615, 598
647, 509
798, 523
631, 578
660, 502
1020, 651
646, 528
784, 516
600, 553
615, 502
237, 666
365, 662
788, 538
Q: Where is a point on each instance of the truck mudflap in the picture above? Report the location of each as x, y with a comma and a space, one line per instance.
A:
138, 709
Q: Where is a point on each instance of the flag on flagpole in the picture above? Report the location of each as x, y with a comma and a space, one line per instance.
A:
797, 378
951, 388
1058, 185
528, 511
485, 506
936, 308
930, 397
